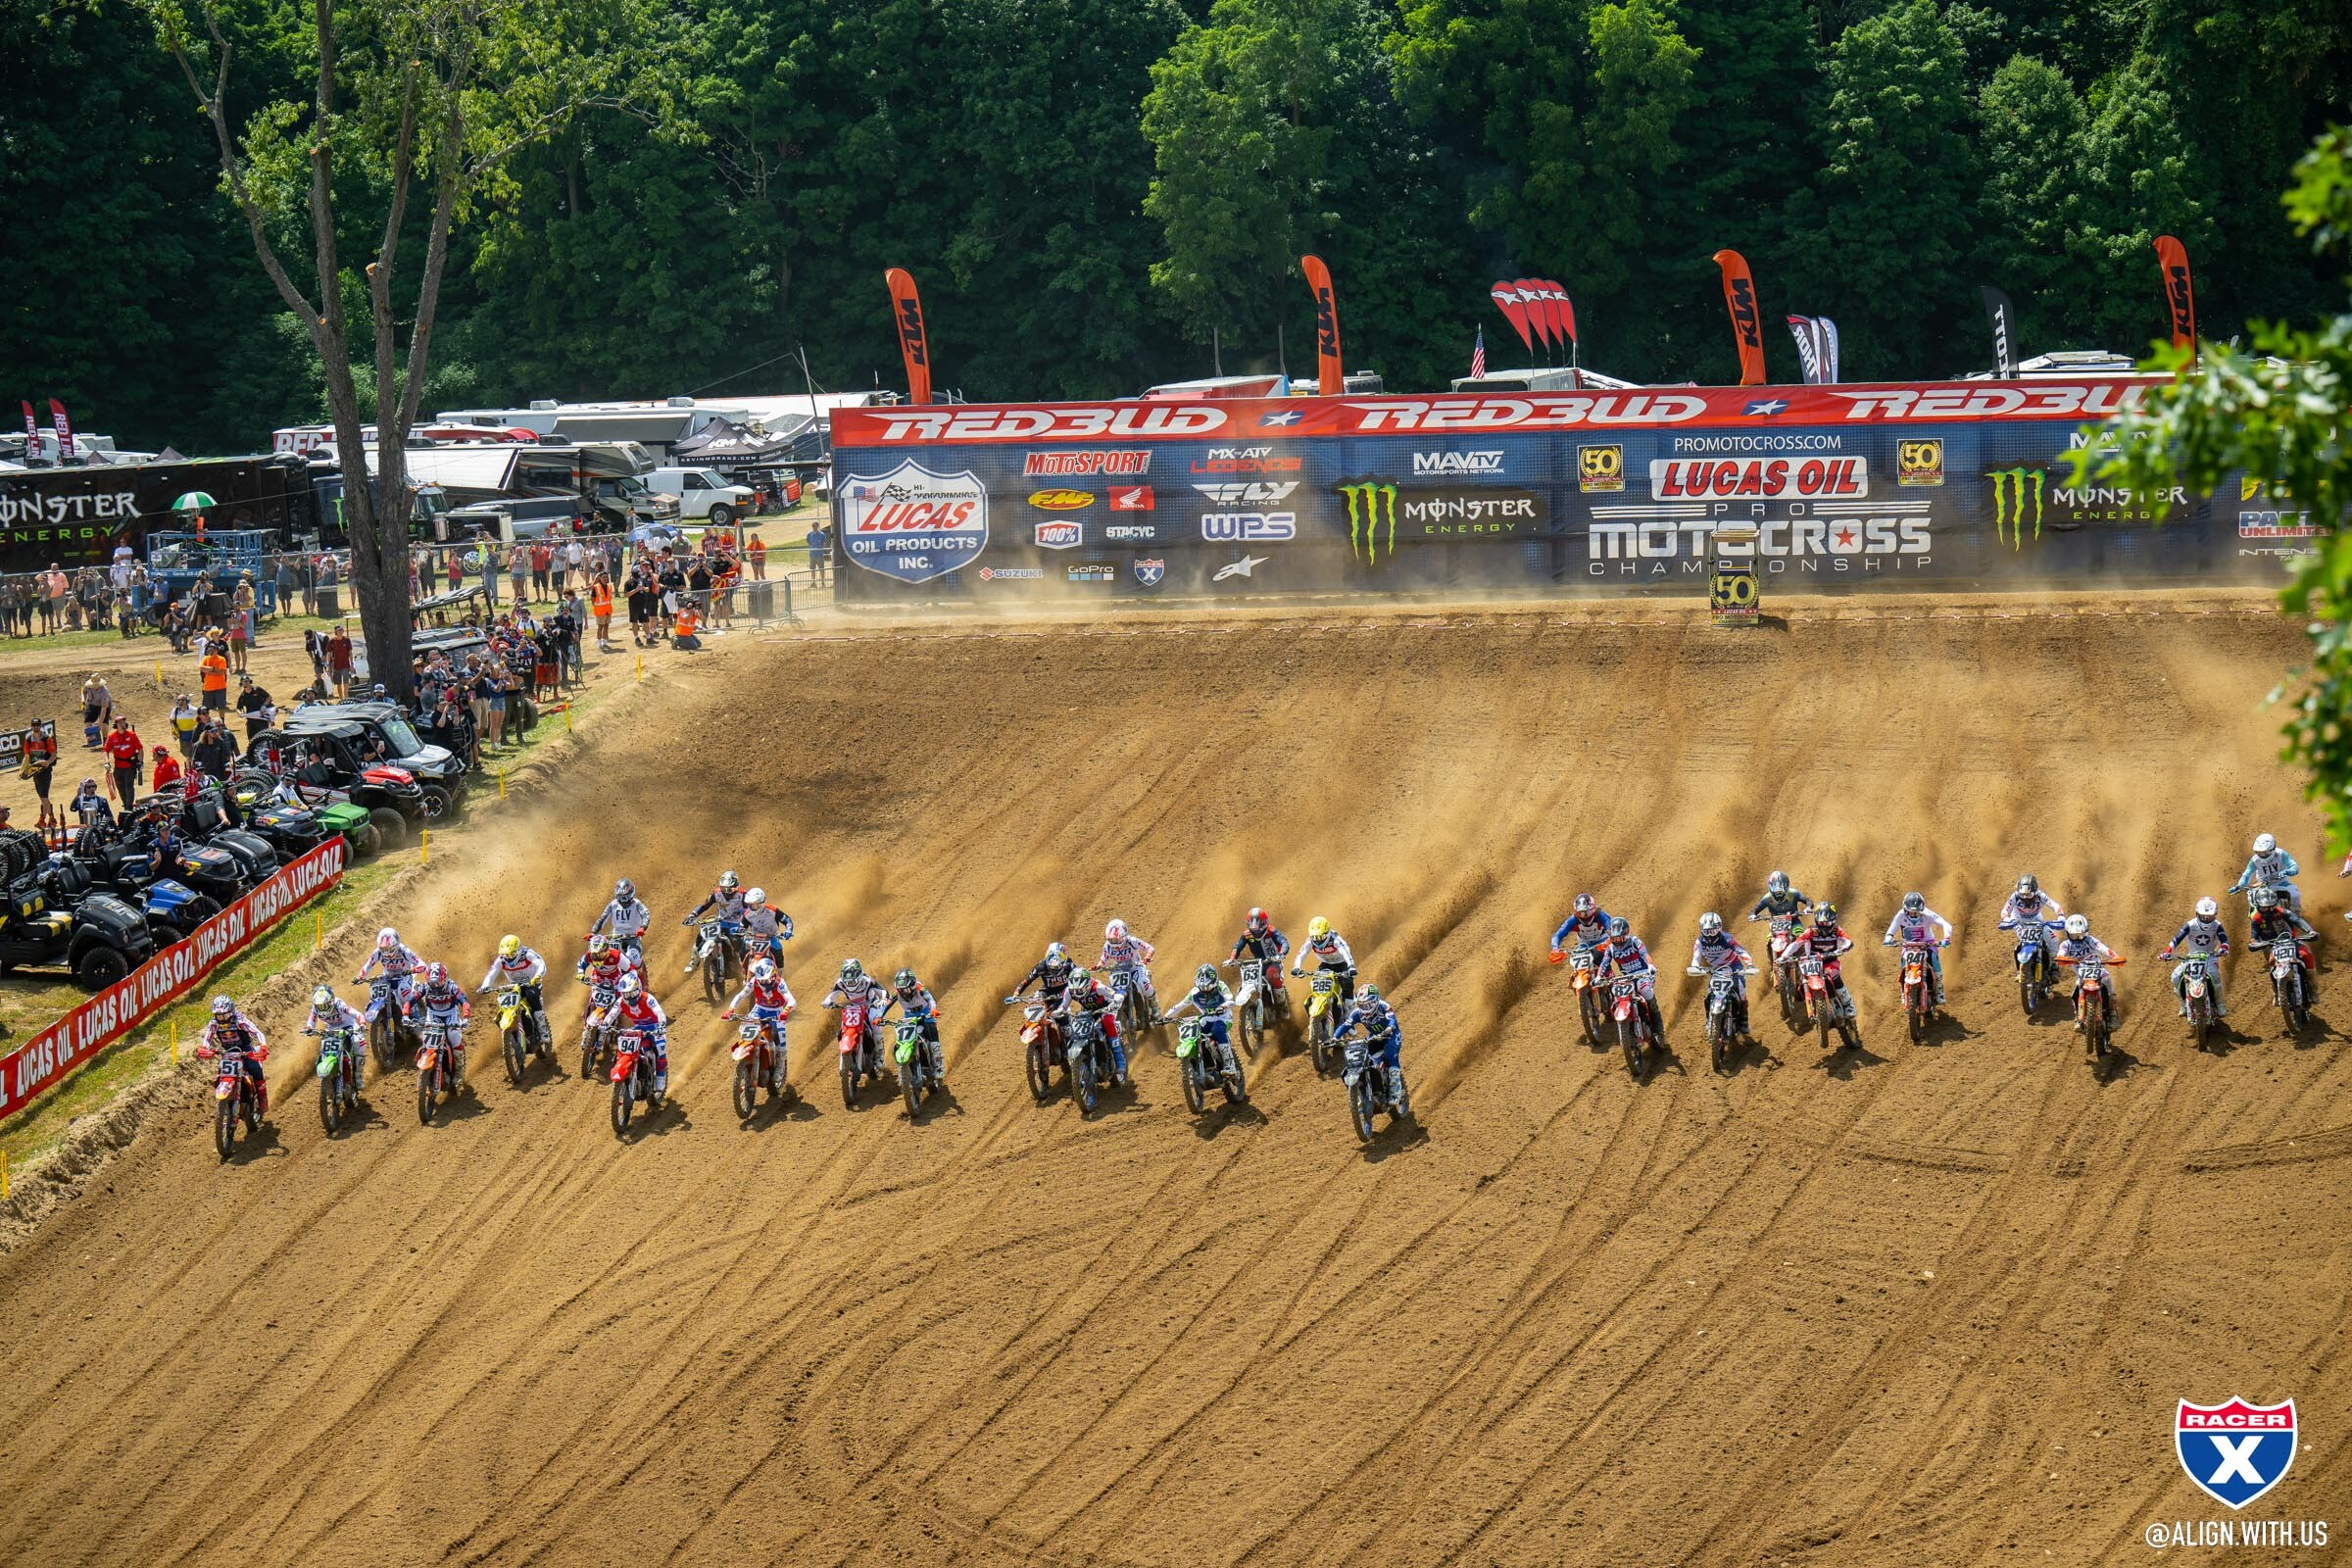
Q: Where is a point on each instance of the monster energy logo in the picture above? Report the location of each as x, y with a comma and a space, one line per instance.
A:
1366, 503
2011, 489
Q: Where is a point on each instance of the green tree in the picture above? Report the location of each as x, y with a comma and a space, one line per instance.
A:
2140, 180
2031, 128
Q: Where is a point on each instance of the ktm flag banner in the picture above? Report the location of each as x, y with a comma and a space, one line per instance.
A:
1747, 323
1330, 379
2179, 298
1959, 484
907, 310
41, 1061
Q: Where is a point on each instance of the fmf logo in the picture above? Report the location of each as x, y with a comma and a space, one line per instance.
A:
1131, 498
1248, 527
1919, 464
1744, 313
2012, 488
1061, 535
1257, 493
1060, 500
1367, 504
2234, 1452
1757, 478
1057, 465
1455, 464
1599, 468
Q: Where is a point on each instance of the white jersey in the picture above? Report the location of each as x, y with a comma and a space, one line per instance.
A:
1917, 929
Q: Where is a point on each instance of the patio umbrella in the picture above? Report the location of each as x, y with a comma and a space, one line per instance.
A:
194, 501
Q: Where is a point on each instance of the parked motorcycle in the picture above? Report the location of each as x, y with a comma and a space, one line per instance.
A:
436, 1070
1323, 1021
1828, 1003
1040, 1045
1204, 1064
919, 1075
860, 1049
2289, 987
758, 1060
2035, 977
1369, 1089
339, 1056
234, 1096
632, 1079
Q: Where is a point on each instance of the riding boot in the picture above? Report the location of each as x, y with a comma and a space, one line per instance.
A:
1742, 1006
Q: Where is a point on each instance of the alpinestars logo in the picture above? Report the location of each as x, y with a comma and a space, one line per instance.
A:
2012, 490
1366, 503
1455, 464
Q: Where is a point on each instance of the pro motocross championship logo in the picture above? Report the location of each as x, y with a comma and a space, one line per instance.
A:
2014, 492
1368, 502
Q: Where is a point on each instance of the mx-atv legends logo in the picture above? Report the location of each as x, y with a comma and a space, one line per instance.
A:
1377, 509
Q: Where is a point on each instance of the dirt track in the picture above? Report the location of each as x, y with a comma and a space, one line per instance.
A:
1931, 1305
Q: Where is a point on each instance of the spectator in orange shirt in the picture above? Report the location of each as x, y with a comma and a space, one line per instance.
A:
600, 604
688, 624
756, 553
213, 676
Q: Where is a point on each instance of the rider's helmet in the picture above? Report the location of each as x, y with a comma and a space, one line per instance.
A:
2078, 925
1709, 923
387, 939
1205, 975
1081, 977
1913, 903
2207, 909
762, 971
509, 946
323, 996
2266, 899
1116, 931
1824, 918
1055, 952
1583, 903
623, 890
1619, 930
852, 970
2027, 884
223, 1008
1778, 882
1317, 929
2264, 844
1258, 921
436, 974
1367, 991
903, 982
597, 945
727, 882
629, 986
756, 897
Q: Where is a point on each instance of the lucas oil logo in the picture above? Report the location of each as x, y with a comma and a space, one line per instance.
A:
2236, 1452
912, 524
1600, 468
1919, 464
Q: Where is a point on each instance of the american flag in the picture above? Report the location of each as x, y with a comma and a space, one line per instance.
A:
1477, 356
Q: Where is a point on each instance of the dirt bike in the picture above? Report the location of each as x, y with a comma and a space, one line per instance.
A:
596, 1039
338, 1073
1040, 1045
1827, 1004
1723, 1015
2289, 986
1630, 1012
436, 1070
758, 1054
233, 1096
1787, 983
632, 1079
1204, 1064
918, 1075
718, 954
2035, 979
860, 1053
517, 1033
2196, 994
1087, 1049
1323, 1021
2094, 1009
1583, 980
1131, 1005
388, 1031
1919, 989
1369, 1091
1250, 1005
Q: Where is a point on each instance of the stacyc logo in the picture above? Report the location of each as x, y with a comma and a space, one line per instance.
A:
1236, 528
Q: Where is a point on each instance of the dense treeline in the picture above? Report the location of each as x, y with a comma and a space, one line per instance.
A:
1087, 189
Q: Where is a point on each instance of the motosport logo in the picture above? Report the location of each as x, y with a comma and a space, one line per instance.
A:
1062, 500
1919, 464
1255, 493
1455, 464
2013, 491
1248, 527
1369, 502
1600, 468
1071, 464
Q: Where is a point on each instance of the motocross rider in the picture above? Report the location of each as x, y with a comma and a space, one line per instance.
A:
233, 1037
2029, 903
2272, 867
1780, 900
1090, 996
1260, 940
627, 916
854, 984
1825, 939
727, 902
1918, 925
329, 1012
1131, 957
520, 966
917, 1003
1330, 952
1210, 998
2273, 919
443, 1003
1716, 950
2078, 944
638, 1011
1384, 1032
1624, 956
1050, 976
2202, 932
766, 928
400, 964
1588, 922
605, 962
772, 1003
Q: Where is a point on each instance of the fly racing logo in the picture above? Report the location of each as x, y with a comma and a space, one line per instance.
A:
1368, 501
1257, 493
2012, 490
1457, 462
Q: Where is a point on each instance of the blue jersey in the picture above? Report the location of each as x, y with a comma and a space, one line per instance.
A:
1626, 955
1377, 1019
1590, 930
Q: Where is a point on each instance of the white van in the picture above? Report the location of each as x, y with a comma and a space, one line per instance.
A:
703, 493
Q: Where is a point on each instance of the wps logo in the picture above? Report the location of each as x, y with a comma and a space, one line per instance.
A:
1368, 503
2234, 1452
1248, 527
2014, 491
1919, 464
1599, 468
1062, 500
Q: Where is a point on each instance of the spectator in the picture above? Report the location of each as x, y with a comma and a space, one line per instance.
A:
600, 604
316, 647
97, 710
211, 673
328, 575
673, 579
519, 572
39, 764
53, 597
289, 580
454, 571
820, 558
644, 600
240, 620
141, 589
89, 806
339, 662
542, 561
754, 555
125, 753
699, 581
576, 562
185, 719
167, 771
216, 753
255, 704
688, 624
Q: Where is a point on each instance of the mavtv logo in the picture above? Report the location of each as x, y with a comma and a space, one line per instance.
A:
1456, 464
